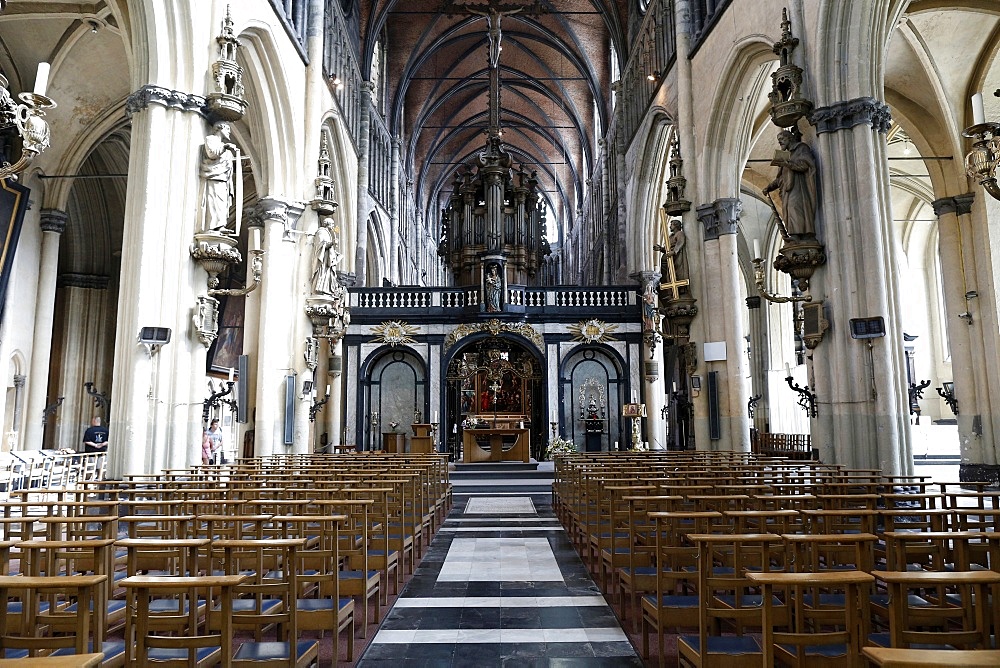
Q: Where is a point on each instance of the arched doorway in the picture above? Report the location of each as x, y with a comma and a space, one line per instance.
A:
593, 386
396, 389
495, 379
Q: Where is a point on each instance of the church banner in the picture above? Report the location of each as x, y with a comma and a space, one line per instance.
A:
13, 204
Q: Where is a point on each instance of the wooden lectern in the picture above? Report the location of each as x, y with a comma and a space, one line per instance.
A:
422, 442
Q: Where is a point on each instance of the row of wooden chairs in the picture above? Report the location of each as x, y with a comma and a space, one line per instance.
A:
304, 558
798, 577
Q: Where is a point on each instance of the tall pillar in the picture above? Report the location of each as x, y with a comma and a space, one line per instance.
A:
759, 361
653, 390
156, 411
53, 223
863, 414
364, 200
279, 317
81, 340
724, 325
956, 246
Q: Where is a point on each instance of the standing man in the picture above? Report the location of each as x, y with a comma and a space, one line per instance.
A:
95, 439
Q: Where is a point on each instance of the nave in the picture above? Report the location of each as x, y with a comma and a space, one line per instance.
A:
501, 585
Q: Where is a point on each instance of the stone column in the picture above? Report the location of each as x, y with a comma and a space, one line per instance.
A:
334, 413
759, 361
16, 426
53, 223
965, 337
82, 341
394, 199
278, 317
863, 415
156, 410
652, 372
723, 322
364, 200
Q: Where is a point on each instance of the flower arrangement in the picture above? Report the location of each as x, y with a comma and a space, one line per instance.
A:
393, 425
472, 422
560, 446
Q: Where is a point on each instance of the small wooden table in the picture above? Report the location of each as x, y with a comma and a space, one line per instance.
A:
520, 451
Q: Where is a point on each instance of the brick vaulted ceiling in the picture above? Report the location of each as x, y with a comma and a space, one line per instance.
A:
556, 74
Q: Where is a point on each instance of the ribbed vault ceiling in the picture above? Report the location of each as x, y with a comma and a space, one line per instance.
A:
555, 63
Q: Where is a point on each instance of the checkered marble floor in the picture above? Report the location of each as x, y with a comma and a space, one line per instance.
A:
501, 585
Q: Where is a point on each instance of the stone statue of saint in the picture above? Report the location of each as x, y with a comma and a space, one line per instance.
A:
217, 159
326, 258
797, 183
494, 287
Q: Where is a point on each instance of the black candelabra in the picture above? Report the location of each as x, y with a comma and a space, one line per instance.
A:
948, 394
215, 398
317, 406
683, 415
915, 393
807, 398
752, 404
51, 409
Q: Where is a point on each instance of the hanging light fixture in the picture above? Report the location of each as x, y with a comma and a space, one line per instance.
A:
28, 118
981, 162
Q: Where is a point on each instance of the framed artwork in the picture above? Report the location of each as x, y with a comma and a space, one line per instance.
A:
634, 410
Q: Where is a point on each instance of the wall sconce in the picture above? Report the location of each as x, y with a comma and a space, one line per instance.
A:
981, 162
654, 75
947, 392
337, 83
27, 117
758, 274
966, 316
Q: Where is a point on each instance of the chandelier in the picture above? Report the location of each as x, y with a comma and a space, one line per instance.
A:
28, 117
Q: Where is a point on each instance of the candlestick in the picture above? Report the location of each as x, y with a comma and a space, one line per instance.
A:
435, 417
230, 374
978, 110
788, 370
254, 238
42, 79
756, 249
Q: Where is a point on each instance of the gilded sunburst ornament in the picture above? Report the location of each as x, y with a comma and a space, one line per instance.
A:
394, 333
593, 331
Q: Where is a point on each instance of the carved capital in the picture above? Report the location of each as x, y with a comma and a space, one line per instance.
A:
53, 220
19, 379
959, 205
649, 280
753, 302
278, 210
727, 213
846, 115
709, 217
172, 99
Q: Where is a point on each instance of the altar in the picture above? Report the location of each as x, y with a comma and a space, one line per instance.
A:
496, 445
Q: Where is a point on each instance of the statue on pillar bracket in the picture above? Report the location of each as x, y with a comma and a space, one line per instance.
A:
796, 181
677, 305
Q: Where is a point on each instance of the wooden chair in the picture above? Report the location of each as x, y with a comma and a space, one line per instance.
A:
939, 609
48, 623
319, 605
824, 635
151, 631
727, 601
266, 598
72, 661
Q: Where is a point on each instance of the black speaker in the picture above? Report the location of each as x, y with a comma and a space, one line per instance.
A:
242, 388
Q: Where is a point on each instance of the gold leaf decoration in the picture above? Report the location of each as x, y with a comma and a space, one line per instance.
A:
394, 333
593, 331
495, 328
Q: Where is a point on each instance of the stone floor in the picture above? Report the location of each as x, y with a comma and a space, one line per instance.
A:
501, 586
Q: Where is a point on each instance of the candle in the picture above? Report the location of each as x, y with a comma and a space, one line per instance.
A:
633, 396
328, 389
675, 386
756, 249
978, 111
788, 370
42, 79
435, 417
230, 374
254, 238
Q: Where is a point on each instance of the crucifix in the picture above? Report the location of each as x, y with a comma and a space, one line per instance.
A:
672, 284
493, 10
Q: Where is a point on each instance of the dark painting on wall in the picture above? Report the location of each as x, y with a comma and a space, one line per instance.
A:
13, 204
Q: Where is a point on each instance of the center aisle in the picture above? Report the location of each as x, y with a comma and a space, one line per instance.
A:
501, 585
